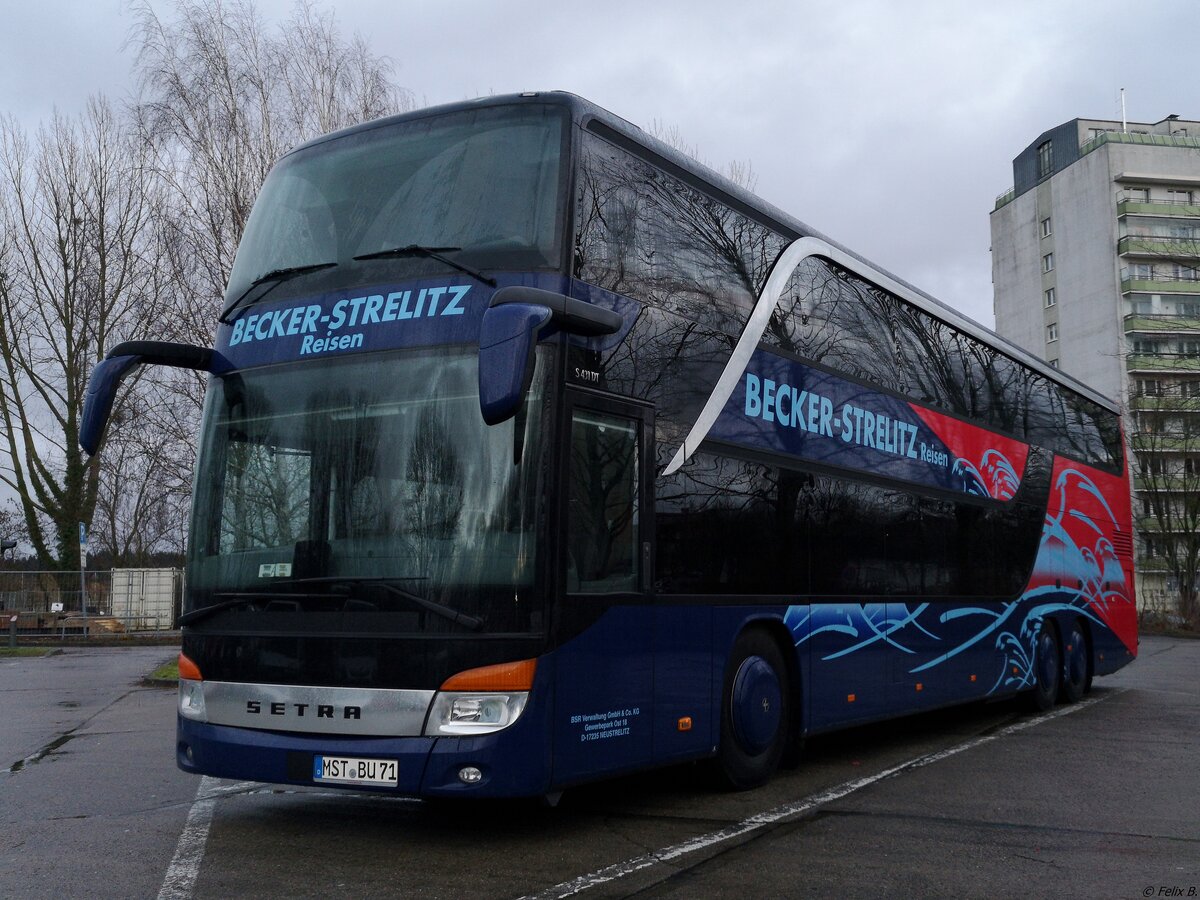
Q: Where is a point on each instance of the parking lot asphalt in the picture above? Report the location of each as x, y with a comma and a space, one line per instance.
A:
1100, 799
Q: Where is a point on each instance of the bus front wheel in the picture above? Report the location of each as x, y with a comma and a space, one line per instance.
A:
756, 711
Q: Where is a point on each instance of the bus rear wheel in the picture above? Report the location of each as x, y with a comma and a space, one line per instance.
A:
756, 711
1047, 668
1075, 681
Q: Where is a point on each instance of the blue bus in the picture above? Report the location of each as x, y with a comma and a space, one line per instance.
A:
534, 452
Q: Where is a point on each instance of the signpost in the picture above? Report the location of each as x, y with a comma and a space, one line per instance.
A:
5, 546
82, 578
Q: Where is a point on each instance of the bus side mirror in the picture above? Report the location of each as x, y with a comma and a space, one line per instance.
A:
110, 372
101, 391
512, 324
507, 339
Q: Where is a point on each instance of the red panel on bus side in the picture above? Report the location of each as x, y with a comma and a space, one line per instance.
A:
1087, 546
998, 462
1087, 541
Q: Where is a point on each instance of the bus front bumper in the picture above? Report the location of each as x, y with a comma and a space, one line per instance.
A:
426, 766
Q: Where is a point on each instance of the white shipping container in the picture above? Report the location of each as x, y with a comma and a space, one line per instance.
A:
144, 599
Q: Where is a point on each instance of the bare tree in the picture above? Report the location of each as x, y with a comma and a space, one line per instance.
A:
11, 528
222, 100
1162, 346
739, 171
223, 97
141, 504
114, 227
1167, 481
74, 258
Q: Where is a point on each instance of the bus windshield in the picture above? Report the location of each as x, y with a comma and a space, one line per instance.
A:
484, 182
352, 488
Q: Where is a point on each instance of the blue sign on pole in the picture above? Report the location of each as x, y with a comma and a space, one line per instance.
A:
82, 580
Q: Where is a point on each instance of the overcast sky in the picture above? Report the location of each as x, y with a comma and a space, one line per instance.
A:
890, 125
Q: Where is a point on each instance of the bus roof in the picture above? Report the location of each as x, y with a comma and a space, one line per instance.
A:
588, 115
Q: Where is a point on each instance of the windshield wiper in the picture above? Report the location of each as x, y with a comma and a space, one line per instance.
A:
275, 275
431, 253
243, 598
195, 615
438, 609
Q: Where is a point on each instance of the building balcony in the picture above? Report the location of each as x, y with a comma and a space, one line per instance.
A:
1129, 137
1151, 525
1153, 245
1137, 205
1005, 198
1160, 323
1172, 403
1165, 483
1156, 283
1152, 564
1165, 443
1162, 362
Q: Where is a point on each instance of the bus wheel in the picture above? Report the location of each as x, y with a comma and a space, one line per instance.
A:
756, 711
1047, 668
1075, 682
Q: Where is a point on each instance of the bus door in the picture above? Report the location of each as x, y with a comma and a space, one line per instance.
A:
604, 667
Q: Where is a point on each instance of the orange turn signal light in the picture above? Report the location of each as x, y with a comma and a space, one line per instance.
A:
513, 676
188, 670
685, 723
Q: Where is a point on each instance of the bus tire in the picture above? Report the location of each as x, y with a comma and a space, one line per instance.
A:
1047, 668
1075, 681
756, 711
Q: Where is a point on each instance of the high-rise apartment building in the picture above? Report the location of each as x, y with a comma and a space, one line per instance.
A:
1096, 268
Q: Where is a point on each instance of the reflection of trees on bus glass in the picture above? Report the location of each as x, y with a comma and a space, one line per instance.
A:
266, 501
602, 526
435, 485
342, 472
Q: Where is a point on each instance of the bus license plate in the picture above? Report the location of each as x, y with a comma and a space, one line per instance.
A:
350, 770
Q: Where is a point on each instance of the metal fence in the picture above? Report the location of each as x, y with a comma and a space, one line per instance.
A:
118, 600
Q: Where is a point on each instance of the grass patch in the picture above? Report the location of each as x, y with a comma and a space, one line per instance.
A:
166, 672
22, 651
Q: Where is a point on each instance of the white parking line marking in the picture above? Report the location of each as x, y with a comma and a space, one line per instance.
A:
181, 875
189, 852
184, 869
788, 810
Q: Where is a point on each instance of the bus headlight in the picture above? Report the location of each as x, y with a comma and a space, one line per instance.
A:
191, 700
480, 701
461, 713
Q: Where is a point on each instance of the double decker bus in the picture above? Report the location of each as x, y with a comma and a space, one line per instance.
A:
534, 452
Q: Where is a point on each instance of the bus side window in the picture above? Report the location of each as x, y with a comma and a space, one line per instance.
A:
602, 515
